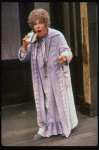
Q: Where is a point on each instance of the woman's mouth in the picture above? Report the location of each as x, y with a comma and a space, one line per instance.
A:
38, 31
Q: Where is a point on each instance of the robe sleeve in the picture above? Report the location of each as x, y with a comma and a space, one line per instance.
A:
64, 49
25, 55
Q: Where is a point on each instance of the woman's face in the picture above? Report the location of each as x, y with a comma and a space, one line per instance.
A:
40, 28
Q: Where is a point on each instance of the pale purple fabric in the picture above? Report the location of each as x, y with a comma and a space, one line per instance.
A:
54, 99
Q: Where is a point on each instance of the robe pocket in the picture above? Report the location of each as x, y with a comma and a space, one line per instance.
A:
65, 68
56, 64
66, 75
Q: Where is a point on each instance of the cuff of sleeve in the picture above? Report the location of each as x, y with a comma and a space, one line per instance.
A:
21, 53
65, 53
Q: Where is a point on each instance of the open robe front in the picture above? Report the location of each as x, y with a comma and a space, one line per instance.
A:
53, 94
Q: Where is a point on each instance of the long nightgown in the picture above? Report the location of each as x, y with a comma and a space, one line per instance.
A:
52, 125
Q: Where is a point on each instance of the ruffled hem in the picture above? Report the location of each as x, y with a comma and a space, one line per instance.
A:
53, 128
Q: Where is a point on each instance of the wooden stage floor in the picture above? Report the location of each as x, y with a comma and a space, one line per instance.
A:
19, 125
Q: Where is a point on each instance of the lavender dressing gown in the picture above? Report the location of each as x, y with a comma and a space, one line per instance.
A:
53, 94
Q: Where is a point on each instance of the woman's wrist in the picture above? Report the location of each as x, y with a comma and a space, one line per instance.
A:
24, 47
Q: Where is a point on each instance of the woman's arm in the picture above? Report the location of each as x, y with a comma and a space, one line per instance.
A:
25, 55
64, 49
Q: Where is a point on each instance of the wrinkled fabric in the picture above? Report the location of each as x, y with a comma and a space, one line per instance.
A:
54, 99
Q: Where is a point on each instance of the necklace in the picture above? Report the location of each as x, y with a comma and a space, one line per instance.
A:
42, 47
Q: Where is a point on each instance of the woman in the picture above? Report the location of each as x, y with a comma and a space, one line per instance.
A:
50, 57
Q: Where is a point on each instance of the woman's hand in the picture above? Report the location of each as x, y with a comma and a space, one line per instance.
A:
27, 40
62, 58
25, 44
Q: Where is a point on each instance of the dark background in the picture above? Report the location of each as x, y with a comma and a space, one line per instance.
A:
16, 79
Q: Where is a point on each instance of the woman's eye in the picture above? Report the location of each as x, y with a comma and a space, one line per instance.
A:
40, 22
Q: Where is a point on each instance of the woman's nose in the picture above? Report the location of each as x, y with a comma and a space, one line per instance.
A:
38, 25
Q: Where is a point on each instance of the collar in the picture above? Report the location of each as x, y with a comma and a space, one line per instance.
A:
51, 33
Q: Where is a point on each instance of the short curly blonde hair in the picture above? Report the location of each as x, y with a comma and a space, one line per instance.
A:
39, 14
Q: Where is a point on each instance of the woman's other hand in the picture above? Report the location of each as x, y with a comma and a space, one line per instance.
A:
62, 58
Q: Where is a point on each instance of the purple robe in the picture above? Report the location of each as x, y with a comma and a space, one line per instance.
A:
56, 113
